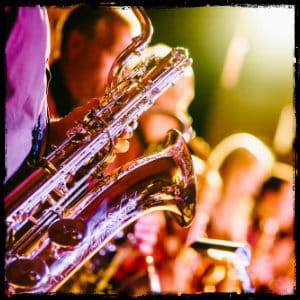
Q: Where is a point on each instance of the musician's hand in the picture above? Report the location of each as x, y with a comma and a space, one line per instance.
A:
147, 229
59, 128
121, 143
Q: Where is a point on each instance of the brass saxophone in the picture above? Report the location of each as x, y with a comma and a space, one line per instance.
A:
56, 219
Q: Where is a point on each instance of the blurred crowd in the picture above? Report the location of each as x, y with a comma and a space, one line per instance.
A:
244, 193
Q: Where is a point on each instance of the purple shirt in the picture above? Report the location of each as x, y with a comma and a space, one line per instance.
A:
27, 50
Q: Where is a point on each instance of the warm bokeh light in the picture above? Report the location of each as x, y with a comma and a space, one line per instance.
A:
226, 256
272, 23
235, 56
257, 78
285, 130
269, 25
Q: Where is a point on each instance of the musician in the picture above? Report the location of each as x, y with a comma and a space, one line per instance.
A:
243, 171
28, 130
91, 39
170, 110
26, 81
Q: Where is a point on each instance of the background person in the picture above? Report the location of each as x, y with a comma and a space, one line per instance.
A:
28, 128
88, 28
243, 162
271, 234
91, 39
170, 110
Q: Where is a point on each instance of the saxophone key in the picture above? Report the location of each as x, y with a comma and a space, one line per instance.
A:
26, 273
67, 233
48, 166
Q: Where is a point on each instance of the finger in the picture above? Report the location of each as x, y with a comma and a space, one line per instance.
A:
121, 145
111, 158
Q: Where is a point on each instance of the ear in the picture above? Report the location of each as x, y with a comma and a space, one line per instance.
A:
75, 43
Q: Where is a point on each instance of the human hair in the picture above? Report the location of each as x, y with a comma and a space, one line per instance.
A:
281, 173
272, 184
84, 19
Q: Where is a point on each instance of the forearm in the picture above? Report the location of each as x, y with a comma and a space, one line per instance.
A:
59, 127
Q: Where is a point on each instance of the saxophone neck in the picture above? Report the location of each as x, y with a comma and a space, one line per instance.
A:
135, 48
146, 25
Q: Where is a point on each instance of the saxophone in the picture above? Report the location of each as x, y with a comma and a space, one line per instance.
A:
58, 218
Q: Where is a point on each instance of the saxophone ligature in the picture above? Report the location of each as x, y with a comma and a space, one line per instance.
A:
56, 219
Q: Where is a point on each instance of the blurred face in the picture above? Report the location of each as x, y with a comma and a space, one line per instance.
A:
174, 100
111, 38
248, 179
98, 54
279, 205
253, 178
177, 98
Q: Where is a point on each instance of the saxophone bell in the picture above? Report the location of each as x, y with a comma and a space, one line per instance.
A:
161, 181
